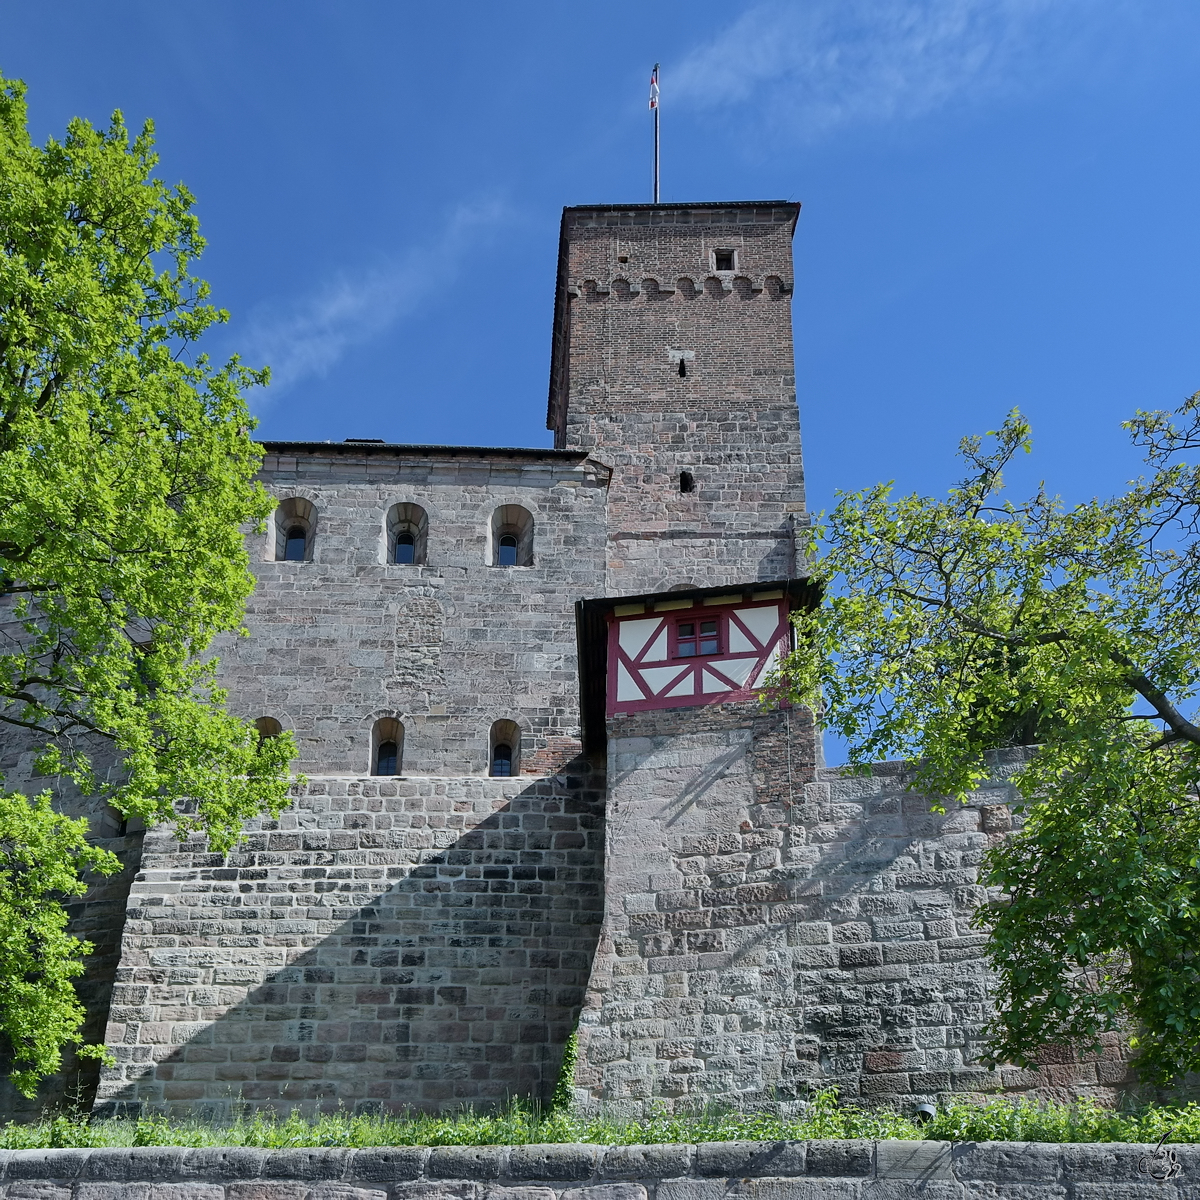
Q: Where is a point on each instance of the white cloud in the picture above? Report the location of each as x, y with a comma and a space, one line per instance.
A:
306, 338
815, 65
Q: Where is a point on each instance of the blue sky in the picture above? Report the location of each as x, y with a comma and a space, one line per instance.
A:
1000, 199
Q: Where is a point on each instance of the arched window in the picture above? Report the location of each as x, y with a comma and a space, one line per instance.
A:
267, 727
295, 524
502, 759
407, 531
512, 536
387, 747
385, 758
505, 749
295, 544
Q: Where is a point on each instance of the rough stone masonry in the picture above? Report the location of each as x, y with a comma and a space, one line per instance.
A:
817, 1170
543, 790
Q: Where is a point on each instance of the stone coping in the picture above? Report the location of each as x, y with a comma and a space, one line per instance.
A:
848, 1170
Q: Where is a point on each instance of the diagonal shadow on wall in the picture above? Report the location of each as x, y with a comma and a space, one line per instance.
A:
348, 964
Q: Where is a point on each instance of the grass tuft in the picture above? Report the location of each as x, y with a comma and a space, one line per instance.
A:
522, 1124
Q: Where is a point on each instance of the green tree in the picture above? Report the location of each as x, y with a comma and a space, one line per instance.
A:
126, 482
951, 627
43, 856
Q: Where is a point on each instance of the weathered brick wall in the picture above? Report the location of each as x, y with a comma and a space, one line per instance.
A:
637, 289
447, 647
394, 943
770, 930
817, 1170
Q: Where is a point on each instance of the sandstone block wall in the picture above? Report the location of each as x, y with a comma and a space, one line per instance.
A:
387, 943
852, 1170
637, 292
768, 931
447, 647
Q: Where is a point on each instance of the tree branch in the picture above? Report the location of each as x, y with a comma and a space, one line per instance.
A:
1181, 728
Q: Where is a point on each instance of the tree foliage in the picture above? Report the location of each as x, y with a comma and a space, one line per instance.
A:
43, 856
126, 481
953, 627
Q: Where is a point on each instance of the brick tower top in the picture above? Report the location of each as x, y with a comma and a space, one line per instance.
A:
672, 364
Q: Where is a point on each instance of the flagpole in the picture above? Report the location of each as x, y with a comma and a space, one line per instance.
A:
654, 105
655, 155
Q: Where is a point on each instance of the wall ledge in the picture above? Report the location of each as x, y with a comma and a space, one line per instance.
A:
848, 1170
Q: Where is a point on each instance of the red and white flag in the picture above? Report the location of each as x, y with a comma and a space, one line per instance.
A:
654, 87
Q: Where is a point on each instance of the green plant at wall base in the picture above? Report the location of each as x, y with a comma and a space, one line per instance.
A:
952, 627
126, 481
43, 856
522, 1124
564, 1087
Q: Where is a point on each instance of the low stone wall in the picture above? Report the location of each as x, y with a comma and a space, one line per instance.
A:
829, 1170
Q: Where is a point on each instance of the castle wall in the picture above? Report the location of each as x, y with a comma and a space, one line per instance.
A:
447, 647
748, 926
388, 942
770, 928
638, 292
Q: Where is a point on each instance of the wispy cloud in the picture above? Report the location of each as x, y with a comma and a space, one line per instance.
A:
307, 337
816, 65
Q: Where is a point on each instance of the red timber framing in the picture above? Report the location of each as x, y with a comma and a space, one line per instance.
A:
670, 653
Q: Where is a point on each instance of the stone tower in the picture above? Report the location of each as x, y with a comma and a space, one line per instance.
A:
672, 363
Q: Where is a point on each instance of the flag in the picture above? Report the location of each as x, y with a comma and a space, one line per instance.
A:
654, 87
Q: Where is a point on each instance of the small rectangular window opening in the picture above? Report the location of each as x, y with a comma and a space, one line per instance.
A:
687, 482
690, 644
724, 259
682, 369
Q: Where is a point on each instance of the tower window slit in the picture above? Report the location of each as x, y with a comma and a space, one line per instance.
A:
682, 369
687, 482
406, 548
502, 759
385, 759
506, 551
296, 544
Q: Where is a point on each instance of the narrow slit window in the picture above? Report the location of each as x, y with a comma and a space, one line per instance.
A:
406, 548
682, 369
502, 759
724, 259
687, 481
295, 545
506, 551
385, 759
